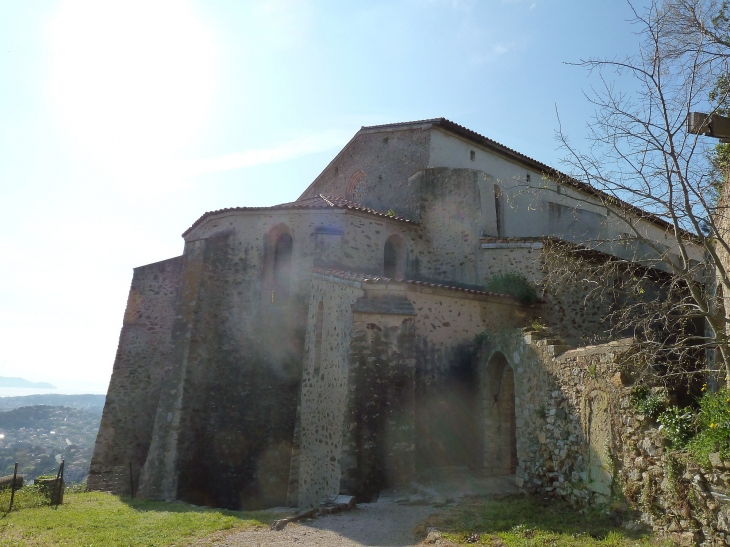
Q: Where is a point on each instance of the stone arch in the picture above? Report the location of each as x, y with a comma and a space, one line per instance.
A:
279, 246
500, 424
394, 257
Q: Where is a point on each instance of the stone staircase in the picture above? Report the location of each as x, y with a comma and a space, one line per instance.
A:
546, 339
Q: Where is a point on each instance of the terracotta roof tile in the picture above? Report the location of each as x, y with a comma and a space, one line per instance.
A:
320, 201
374, 279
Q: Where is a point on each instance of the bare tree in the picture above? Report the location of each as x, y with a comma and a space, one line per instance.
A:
666, 254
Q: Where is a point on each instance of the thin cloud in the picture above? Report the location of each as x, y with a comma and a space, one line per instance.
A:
500, 49
311, 144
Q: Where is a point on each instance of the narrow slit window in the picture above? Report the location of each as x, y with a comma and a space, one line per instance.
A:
318, 340
499, 210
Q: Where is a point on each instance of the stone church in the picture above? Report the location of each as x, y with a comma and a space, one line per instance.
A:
345, 342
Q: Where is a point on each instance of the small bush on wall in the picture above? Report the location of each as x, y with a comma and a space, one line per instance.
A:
513, 284
647, 402
701, 431
713, 422
678, 425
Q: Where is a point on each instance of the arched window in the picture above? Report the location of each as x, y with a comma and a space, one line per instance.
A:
356, 187
394, 257
282, 268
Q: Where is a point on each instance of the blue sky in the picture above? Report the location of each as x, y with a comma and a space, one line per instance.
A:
122, 122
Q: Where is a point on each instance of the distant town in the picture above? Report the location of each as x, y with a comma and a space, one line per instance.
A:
40, 431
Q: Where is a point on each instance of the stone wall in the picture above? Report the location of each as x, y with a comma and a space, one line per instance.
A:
566, 308
451, 219
125, 432
582, 440
379, 428
381, 162
225, 421
316, 462
391, 383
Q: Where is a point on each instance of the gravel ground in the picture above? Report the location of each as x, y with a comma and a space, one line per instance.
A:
387, 523
371, 524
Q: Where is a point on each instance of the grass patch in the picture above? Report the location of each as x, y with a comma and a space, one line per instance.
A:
98, 519
25, 498
522, 520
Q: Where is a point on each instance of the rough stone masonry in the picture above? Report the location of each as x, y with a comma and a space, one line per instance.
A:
344, 343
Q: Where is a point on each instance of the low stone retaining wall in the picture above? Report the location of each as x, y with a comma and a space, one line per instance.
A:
587, 444
6, 482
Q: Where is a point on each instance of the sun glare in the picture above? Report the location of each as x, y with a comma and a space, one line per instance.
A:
132, 81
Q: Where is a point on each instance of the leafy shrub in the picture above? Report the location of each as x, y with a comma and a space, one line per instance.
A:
537, 324
714, 427
678, 425
513, 284
646, 402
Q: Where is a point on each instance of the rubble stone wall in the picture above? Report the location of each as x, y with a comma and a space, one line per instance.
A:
125, 432
385, 162
574, 318
581, 439
391, 384
317, 450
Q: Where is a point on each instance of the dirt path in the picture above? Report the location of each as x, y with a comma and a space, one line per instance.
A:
387, 523
371, 524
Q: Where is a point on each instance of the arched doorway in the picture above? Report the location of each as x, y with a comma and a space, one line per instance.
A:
500, 434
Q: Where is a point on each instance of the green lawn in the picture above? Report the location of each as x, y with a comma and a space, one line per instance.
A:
96, 519
527, 521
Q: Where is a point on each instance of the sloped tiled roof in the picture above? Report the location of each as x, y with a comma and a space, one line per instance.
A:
320, 201
359, 277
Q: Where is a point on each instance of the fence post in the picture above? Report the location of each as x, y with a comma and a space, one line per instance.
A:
12, 487
57, 491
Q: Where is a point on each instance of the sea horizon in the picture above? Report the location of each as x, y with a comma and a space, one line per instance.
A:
61, 390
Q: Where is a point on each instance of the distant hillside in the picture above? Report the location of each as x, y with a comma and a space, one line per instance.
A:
90, 403
39, 437
21, 382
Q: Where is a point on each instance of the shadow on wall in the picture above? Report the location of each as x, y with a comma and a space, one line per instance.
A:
448, 419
